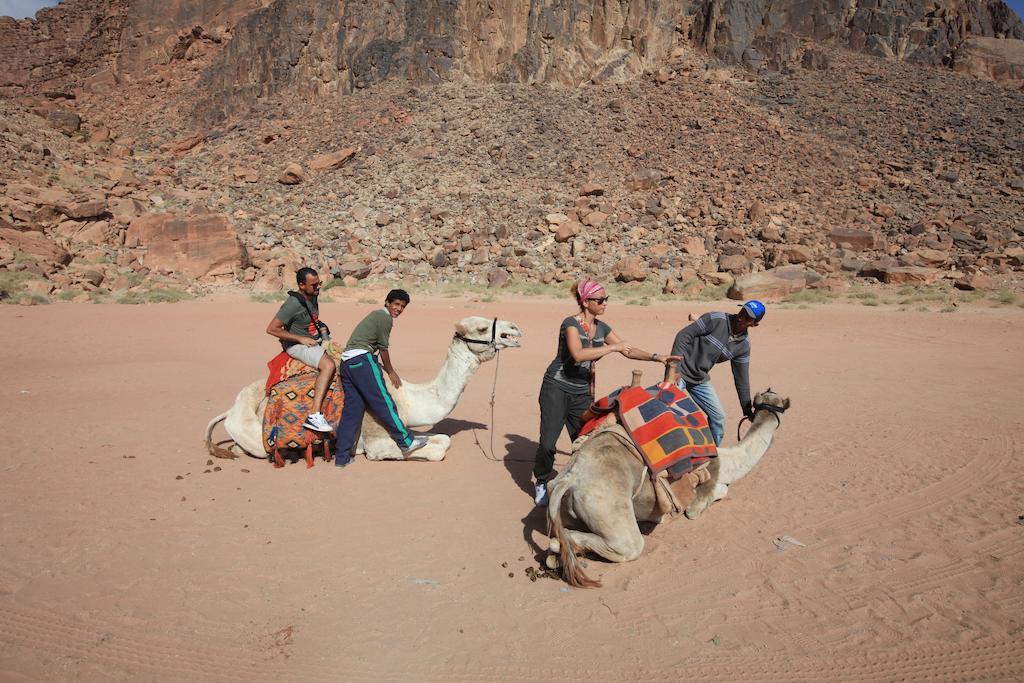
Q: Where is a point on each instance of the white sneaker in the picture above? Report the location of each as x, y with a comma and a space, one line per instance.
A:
317, 423
540, 493
418, 442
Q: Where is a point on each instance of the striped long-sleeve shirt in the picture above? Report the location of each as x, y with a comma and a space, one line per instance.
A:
707, 341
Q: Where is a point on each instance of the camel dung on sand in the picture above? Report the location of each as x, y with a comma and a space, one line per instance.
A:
421, 406
596, 503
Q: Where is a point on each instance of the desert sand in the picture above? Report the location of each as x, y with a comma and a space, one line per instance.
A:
126, 556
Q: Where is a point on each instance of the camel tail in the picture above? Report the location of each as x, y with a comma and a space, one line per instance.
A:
572, 572
215, 450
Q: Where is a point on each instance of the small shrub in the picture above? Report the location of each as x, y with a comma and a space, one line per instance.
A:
1005, 297
265, 297
164, 295
809, 296
713, 292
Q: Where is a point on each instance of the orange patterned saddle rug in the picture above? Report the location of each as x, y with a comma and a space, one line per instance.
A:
667, 427
290, 388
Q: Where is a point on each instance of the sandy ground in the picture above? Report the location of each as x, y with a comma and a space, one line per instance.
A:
123, 558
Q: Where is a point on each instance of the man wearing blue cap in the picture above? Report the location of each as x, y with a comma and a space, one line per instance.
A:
710, 339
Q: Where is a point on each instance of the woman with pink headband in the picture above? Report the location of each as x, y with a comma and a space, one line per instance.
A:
567, 389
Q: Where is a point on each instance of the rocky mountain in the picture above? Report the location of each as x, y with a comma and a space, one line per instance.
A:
741, 143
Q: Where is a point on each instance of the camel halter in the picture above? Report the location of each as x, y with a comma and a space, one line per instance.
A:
761, 406
494, 336
493, 343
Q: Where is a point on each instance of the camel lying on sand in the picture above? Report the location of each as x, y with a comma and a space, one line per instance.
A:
420, 406
606, 490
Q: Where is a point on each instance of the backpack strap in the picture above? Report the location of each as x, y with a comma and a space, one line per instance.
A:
321, 326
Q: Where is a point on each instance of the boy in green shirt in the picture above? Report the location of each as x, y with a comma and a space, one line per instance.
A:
363, 383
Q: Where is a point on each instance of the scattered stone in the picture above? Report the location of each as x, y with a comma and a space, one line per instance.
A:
292, 175
354, 269
567, 231
900, 275
66, 122
977, 281
774, 283
329, 162
855, 239
630, 269
591, 190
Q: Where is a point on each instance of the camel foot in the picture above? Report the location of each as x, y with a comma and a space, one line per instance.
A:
552, 561
554, 546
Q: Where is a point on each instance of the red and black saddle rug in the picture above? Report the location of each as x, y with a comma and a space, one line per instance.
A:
666, 426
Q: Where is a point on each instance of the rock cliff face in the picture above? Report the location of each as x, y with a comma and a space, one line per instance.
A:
922, 31
322, 48
64, 44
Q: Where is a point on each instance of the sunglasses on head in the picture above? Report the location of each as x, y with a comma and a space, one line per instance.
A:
599, 299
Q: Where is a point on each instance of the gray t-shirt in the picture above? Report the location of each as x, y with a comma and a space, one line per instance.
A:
296, 319
566, 373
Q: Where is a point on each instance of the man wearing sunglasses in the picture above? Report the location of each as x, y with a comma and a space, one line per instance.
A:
297, 324
714, 338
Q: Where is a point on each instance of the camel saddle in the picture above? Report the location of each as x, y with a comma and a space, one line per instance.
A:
290, 388
666, 426
672, 495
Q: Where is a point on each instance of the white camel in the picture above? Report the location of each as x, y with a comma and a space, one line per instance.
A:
606, 490
420, 406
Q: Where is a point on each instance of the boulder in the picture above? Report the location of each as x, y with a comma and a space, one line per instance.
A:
497, 278
924, 257
855, 239
182, 145
774, 283
202, 246
737, 263
795, 253
913, 275
693, 246
630, 269
977, 281
591, 190
292, 175
104, 81
49, 255
566, 231
83, 210
328, 162
354, 269
67, 122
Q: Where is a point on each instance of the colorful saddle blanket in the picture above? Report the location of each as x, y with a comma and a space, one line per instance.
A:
290, 388
282, 366
666, 426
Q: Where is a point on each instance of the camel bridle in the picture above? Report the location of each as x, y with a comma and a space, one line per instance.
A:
774, 410
493, 342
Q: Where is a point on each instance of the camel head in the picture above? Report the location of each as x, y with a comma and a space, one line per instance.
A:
484, 337
769, 400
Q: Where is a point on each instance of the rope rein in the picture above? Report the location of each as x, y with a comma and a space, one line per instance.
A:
760, 406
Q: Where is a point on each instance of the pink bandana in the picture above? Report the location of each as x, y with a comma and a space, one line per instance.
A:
586, 288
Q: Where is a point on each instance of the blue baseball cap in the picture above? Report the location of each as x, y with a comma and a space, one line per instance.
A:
755, 309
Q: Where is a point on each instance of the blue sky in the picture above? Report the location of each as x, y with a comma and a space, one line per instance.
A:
26, 8
19, 9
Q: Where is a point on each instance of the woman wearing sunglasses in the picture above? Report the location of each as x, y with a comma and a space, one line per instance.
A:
567, 389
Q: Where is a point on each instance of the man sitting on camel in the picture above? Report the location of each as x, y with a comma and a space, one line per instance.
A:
297, 324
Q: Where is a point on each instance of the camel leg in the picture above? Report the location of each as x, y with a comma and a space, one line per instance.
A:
614, 534
705, 493
623, 547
